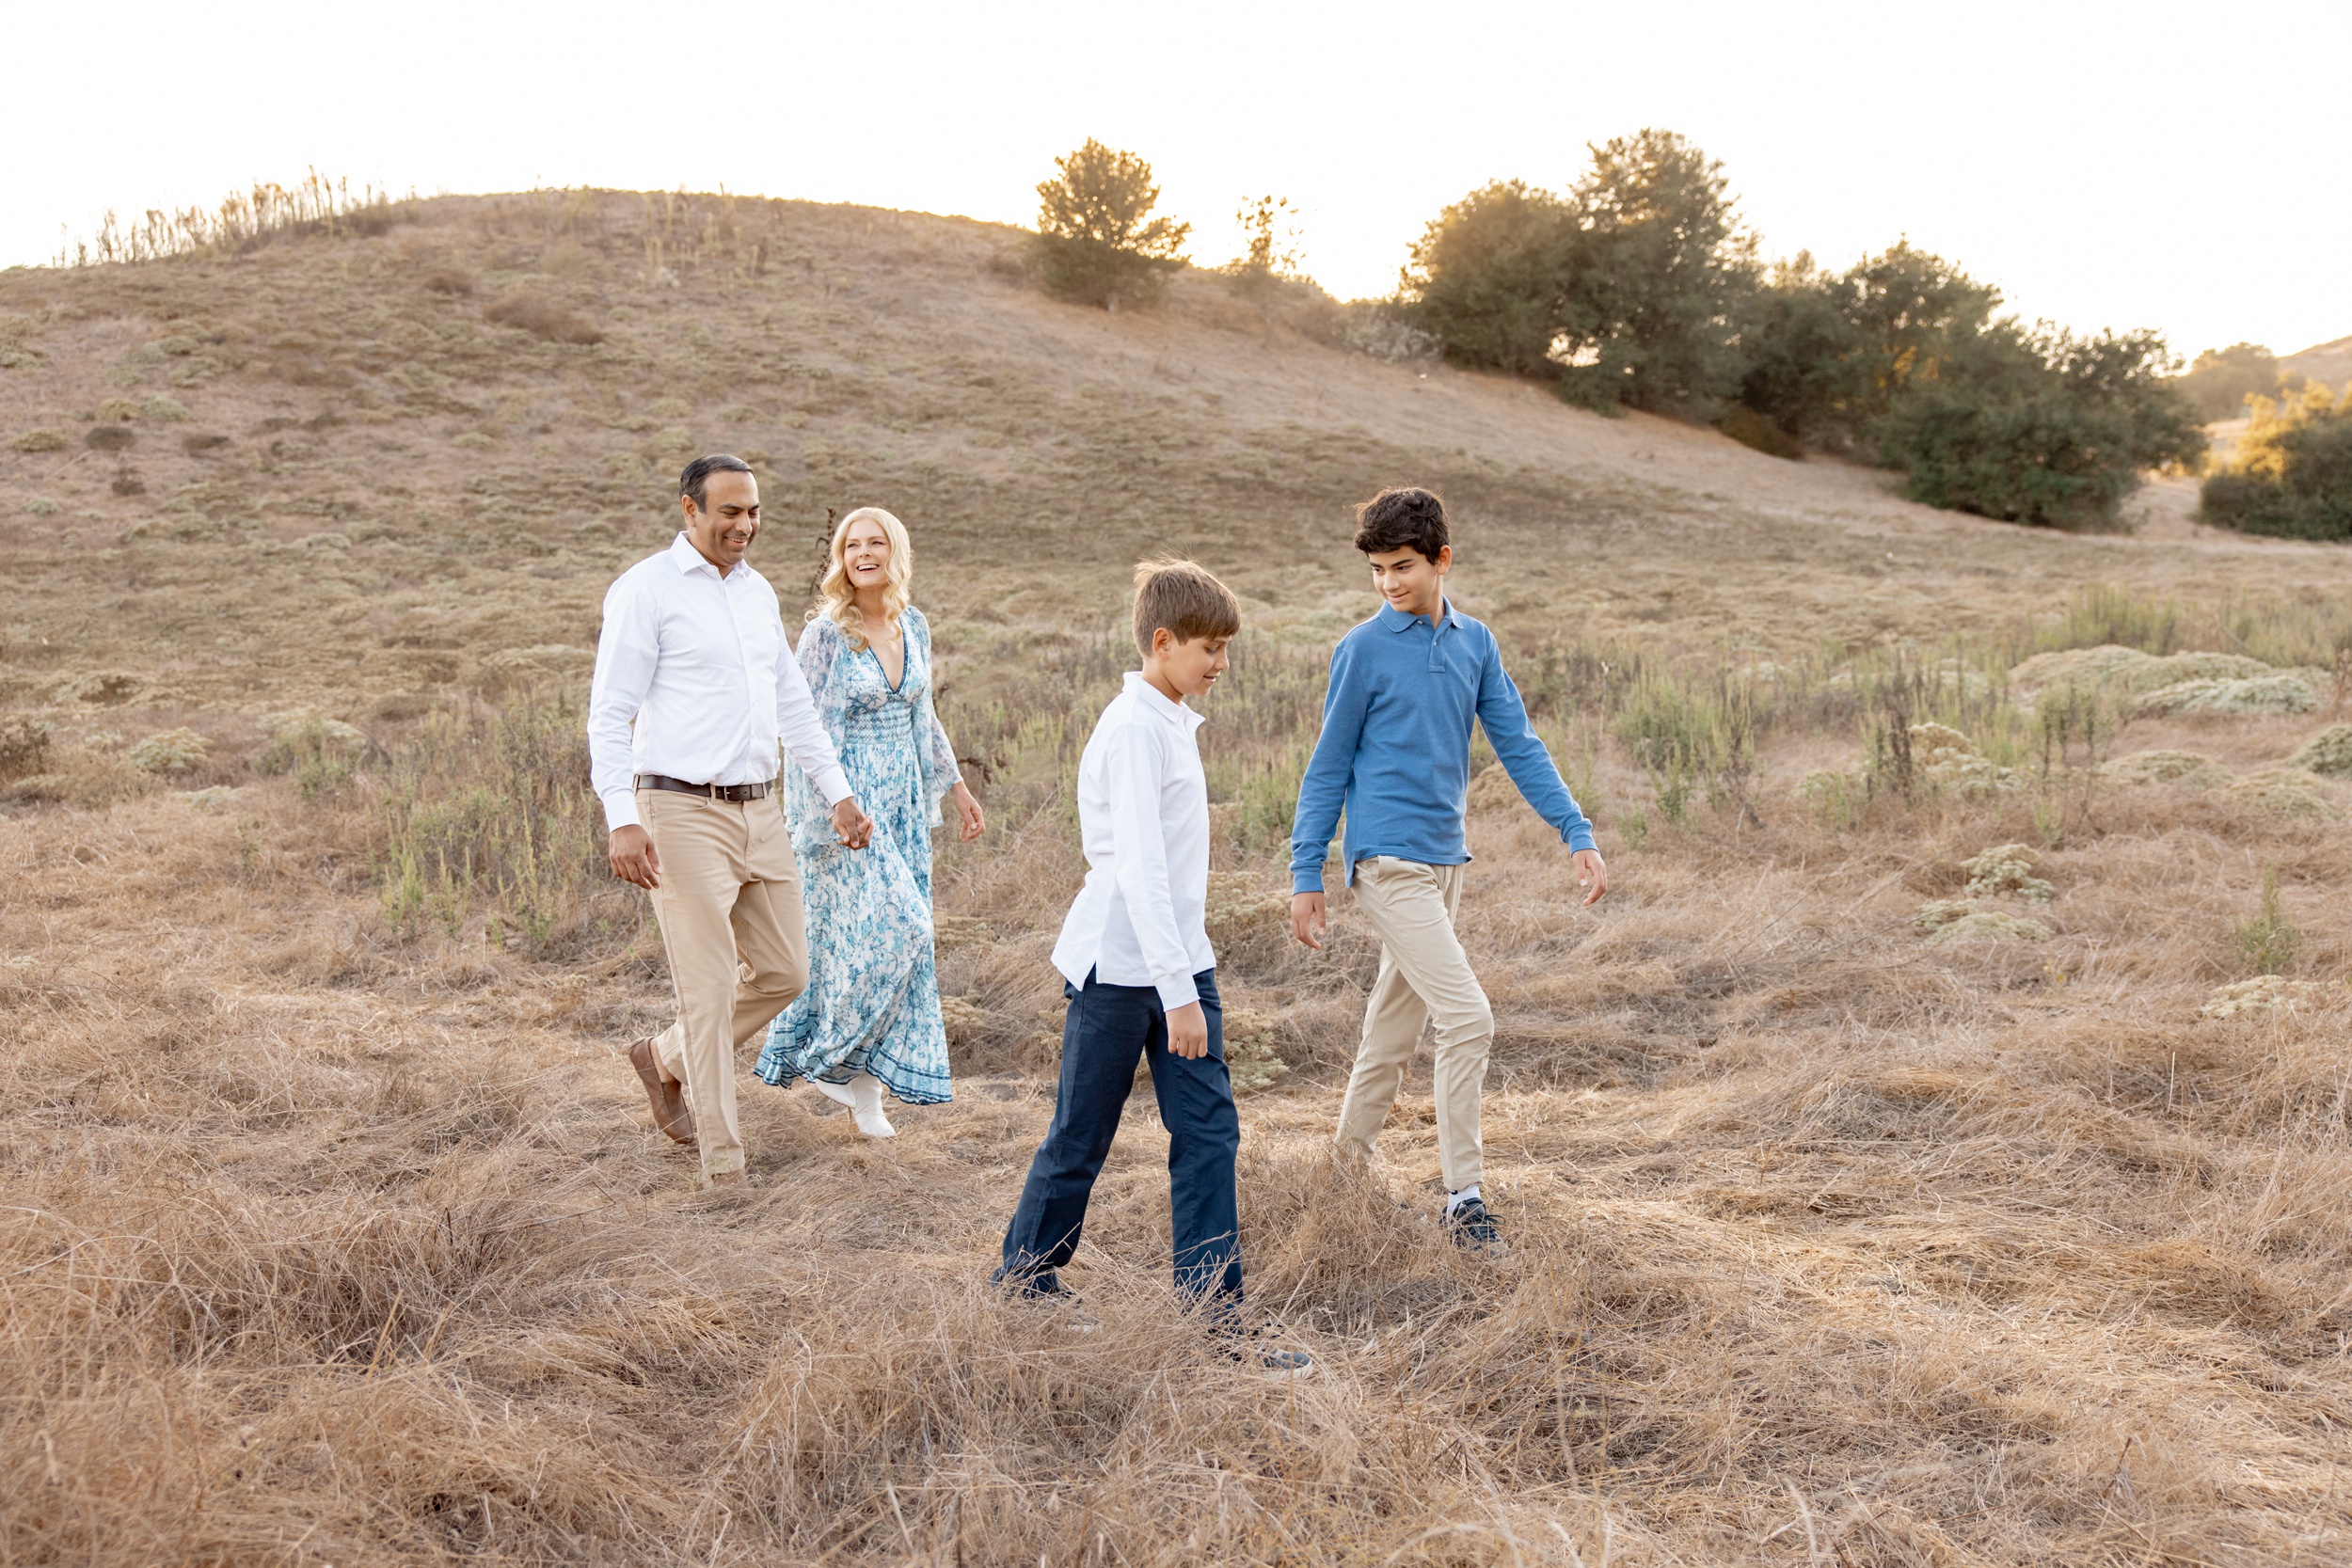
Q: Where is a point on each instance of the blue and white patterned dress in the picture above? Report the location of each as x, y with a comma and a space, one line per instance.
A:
872, 1002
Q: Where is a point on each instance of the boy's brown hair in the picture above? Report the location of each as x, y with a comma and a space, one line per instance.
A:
1183, 596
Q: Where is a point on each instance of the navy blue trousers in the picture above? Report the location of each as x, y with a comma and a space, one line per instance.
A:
1105, 1030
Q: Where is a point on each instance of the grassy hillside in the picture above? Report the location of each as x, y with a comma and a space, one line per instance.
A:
392, 483
1934, 1151
2329, 362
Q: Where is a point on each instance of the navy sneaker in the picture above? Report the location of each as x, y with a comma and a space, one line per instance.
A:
1045, 1289
1474, 1229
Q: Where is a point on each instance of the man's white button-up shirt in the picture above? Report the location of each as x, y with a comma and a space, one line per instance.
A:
700, 663
1143, 817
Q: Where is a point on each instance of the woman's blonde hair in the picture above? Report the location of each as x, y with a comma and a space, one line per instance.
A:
838, 601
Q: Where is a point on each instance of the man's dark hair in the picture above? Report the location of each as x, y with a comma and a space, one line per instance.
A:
1407, 517
691, 482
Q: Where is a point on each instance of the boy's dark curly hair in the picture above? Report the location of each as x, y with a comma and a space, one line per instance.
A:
1405, 517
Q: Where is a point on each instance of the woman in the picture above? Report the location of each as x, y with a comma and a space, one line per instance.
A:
870, 1018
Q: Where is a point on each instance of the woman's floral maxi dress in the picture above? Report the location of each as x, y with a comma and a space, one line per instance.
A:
872, 1002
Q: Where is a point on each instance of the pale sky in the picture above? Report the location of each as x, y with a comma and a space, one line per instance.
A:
2152, 164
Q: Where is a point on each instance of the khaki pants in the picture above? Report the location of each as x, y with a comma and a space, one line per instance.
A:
1424, 975
730, 905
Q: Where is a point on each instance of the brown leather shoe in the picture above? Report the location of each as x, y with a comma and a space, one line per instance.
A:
669, 1106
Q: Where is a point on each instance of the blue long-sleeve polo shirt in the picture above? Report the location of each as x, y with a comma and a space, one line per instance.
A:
1395, 751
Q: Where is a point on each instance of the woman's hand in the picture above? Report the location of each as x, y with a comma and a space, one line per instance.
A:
851, 827
975, 822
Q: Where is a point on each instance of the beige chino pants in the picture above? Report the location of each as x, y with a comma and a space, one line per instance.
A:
732, 924
1424, 976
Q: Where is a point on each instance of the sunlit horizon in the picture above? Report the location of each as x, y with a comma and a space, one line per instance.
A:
2051, 151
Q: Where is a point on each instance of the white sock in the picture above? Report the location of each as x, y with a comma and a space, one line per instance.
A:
1454, 1200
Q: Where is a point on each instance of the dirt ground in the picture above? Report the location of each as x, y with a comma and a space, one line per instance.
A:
329, 1242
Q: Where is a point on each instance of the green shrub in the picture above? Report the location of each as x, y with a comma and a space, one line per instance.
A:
2268, 941
321, 754
2328, 754
2292, 474
1097, 242
2039, 427
1692, 737
1752, 429
487, 815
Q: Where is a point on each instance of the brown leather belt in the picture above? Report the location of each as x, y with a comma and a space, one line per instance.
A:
713, 792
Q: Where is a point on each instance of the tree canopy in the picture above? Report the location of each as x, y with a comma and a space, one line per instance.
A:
1626, 289
1097, 240
1489, 276
2221, 380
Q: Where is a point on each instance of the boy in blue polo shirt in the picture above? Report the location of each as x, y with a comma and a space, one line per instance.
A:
1394, 752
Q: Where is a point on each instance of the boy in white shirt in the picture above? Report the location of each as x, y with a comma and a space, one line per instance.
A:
1138, 968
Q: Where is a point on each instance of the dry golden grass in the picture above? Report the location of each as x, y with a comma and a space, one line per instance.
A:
329, 1242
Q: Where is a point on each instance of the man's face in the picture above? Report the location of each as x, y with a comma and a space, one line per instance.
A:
723, 526
1410, 580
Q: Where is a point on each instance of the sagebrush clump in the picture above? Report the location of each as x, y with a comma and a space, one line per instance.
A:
2328, 754
174, 751
2008, 870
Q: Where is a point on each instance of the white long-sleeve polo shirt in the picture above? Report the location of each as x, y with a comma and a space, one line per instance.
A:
1143, 817
698, 662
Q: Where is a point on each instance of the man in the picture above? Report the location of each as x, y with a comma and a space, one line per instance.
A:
1394, 754
693, 654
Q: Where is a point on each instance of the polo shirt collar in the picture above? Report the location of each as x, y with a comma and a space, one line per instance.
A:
1153, 701
686, 558
1396, 620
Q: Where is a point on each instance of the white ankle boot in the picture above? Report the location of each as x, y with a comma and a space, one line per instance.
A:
867, 1108
862, 1094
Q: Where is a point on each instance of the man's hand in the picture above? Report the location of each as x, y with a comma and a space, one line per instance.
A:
1307, 919
631, 852
1592, 872
1189, 1032
974, 821
851, 824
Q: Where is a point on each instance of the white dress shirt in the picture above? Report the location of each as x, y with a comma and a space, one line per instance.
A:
1143, 817
700, 662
